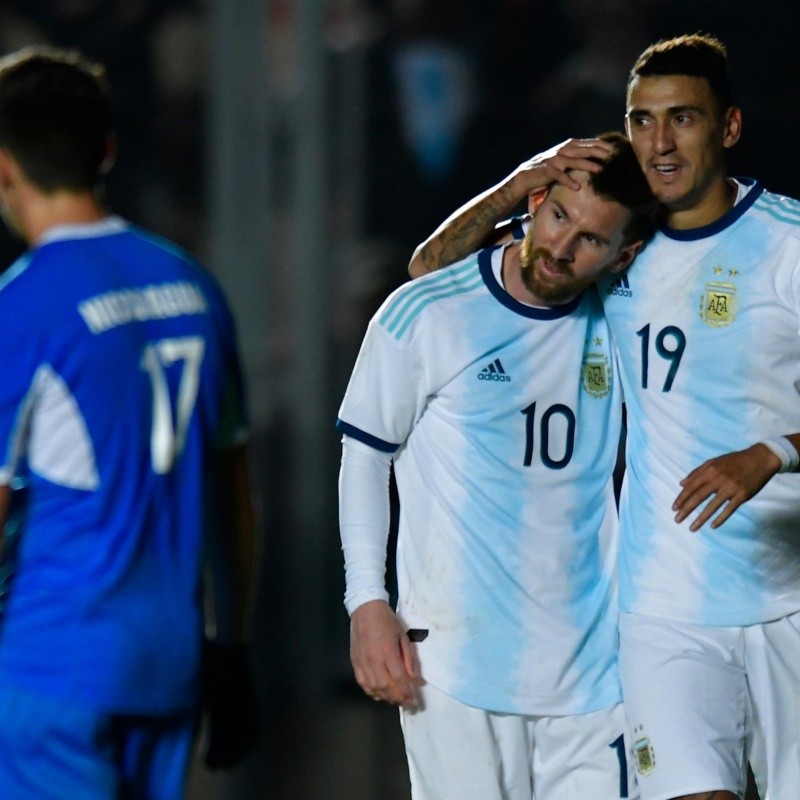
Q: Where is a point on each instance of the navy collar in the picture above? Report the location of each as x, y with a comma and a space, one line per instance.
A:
500, 294
725, 221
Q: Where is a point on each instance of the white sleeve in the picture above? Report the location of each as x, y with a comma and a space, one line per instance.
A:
364, 521
388, 390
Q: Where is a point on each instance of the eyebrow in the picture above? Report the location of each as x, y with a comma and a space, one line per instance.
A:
601, 239
672, 110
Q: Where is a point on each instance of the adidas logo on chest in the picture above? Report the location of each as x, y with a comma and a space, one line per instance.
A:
494, 372
620, 287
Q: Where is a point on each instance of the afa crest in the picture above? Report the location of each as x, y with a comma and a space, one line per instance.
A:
644, 755
719, 304
596, 374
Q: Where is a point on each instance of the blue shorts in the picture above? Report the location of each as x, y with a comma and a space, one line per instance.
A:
51, 749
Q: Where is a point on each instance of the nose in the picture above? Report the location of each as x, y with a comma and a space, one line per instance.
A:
562, 246
663, 140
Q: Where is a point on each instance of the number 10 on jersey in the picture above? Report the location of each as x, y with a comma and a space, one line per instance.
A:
544, 437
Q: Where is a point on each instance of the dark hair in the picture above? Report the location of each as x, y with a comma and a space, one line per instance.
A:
699, 55
55, 117
623, 181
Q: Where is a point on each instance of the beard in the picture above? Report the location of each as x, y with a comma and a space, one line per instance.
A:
547, 288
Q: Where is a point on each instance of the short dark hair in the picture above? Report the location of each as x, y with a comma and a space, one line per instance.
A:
55, 117
699, 55
623, 181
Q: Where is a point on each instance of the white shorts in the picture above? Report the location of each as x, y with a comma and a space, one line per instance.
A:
456, 751
701, 701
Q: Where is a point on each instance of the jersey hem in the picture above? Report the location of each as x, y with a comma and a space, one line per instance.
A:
762, 619
541, 705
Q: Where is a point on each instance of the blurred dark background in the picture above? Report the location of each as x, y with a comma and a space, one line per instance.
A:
302, 148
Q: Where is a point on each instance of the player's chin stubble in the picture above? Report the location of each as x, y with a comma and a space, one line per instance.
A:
544, 289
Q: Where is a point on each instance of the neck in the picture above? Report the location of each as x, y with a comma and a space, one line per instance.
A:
42, 212
717, 201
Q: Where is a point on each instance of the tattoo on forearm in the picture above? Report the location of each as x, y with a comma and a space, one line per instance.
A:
463, 238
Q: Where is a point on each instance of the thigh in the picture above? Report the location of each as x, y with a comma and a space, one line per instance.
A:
456, 751
54, 750
153, 754
583, 756
773, 654
686, 699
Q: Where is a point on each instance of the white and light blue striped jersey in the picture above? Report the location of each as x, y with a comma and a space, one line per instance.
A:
120, 373
707, 322
504, 421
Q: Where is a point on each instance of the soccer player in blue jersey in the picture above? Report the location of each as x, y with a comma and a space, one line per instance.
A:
121, 407
707, 332
492, 387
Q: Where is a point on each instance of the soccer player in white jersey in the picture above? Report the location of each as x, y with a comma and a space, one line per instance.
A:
492, 387
121, 404
707, 332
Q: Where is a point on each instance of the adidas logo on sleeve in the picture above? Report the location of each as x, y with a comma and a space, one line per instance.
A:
494, 372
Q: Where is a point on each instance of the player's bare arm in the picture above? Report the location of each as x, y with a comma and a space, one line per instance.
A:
383, 658
729, 481
473, 225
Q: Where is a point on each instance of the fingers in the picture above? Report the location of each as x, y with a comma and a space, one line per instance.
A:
553, 165
699, 486
382, 656
387, 680
726, 483
581, 150
695, 491
402, 689
713, 505
410, 660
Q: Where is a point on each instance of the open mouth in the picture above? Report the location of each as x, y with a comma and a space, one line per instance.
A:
666, 169
548, 266
552, 268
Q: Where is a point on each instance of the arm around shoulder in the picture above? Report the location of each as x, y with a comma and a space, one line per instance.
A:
472, 226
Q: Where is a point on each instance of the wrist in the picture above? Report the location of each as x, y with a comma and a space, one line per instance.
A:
516, 189
356, 600
785, 451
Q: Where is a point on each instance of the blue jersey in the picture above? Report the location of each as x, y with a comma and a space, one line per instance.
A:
120, 374
707, 322
504, 421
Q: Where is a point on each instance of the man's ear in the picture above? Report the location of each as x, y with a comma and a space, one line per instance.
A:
733, 127
536, 198
626, 256
9, 170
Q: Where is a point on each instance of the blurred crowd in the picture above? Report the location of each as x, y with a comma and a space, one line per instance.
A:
154, 53
457, 91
